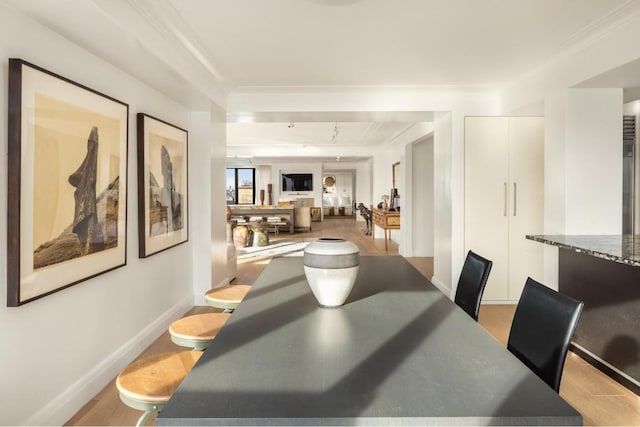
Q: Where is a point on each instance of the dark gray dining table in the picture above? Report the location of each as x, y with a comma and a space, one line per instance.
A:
398, 352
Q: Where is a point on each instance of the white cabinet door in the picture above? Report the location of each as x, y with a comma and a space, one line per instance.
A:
504, 200
486, 192
526, 213
344, 186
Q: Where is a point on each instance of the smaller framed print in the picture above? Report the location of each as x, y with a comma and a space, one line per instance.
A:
163, 209
67, 183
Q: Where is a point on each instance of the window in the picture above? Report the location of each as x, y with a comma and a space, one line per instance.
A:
241, 187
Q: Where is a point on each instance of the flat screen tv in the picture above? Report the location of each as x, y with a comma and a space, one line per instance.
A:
297, 182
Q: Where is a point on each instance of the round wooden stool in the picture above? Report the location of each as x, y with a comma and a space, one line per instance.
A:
227, 298
148, 383
197, 331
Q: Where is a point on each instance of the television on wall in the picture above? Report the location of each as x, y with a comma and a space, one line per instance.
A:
297, 182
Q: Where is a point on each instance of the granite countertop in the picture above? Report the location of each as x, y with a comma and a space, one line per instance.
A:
624, 249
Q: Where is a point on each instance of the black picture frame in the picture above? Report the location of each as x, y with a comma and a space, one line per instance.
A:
67, 183
163, 185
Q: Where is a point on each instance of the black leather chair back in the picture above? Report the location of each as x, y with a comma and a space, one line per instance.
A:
473, 279
541, 331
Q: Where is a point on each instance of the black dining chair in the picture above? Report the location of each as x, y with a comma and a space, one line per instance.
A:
541, 331
473, 279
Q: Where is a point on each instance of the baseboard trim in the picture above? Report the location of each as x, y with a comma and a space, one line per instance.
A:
440, 285
199, 299
71, 400
606, 368
405, 253
224, 282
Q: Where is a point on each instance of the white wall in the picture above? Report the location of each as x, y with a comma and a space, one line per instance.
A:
59, 351
313, 168
551, 82
344, 183
382, 181
211, 268
593, 162
363, 180
443, 259
611, 48
555, 110
408, 217
399, 151
220, 271
422, 198
449, 153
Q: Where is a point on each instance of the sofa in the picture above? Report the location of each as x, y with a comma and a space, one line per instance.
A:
333, 204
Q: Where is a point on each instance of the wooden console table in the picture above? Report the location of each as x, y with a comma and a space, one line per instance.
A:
386, 220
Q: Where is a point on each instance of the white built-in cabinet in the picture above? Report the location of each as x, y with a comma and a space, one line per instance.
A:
344, 184
504, 184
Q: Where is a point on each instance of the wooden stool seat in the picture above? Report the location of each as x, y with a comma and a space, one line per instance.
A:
148, 383
228, 297
197, 331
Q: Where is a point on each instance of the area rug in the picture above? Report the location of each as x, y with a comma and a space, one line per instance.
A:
278, 248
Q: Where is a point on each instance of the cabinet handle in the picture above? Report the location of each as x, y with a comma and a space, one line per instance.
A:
515, 198
505, 199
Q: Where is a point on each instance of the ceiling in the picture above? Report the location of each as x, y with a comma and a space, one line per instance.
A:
382, 42
208, 48
626, 76
317, 136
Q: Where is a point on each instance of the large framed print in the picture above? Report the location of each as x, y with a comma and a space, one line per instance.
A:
67, 183
163, 209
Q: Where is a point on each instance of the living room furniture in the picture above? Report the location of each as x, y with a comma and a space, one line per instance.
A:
302, 218
473, 279
398, 352
387, 220
227, 298
197, 331
276, 226
541, 331
304, 201
232, 257
148, 383
603, 271
246, 212
316, 214
504, 199
333, 203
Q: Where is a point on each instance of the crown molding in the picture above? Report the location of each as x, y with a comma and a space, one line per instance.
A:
399, 137
157, 26
269, 90
600, 27
371, 129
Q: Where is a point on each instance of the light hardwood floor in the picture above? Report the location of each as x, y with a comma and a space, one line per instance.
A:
599, 399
